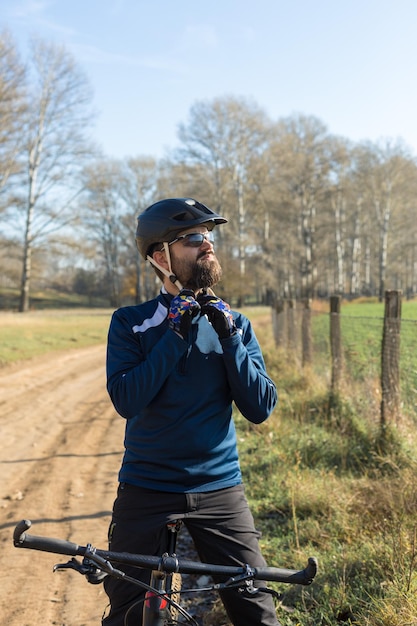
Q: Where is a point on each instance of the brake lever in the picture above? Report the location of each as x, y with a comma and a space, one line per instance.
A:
87, 568
73, 564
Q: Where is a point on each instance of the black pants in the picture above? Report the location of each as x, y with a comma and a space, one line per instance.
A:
223, 532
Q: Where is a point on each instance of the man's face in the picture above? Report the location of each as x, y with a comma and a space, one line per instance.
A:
195, 267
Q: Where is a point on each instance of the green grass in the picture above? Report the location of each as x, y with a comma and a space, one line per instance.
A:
369, 308
320, 483
23, 336
48, 299
361, 331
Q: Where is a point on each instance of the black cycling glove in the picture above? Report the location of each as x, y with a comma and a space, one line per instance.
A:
219, 314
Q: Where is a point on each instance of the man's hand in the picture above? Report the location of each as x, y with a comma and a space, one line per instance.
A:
182, 310
219, 315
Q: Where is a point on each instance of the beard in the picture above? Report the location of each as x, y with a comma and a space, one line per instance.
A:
200, 274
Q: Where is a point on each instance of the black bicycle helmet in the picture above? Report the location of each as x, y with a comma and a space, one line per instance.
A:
163, 220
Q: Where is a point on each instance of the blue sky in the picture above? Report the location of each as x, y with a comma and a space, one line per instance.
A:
351, 63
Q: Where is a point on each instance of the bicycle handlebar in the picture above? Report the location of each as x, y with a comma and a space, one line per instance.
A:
167, 564
44, 544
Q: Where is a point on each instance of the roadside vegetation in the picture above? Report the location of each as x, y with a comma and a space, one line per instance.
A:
320, 484
318, 481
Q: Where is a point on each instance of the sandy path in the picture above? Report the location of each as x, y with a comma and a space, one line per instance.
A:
61, 447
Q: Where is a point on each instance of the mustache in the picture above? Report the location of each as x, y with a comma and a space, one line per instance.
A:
204, 254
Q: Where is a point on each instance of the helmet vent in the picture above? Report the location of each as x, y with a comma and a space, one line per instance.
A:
182, 217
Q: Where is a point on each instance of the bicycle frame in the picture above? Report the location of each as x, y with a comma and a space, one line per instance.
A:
158, 607
159, 593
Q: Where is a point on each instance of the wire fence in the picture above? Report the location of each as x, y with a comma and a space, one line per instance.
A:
371, 358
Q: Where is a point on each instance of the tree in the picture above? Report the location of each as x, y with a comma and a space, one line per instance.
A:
103, 219
388, 196
12, 111
56, 146
389, 177
303, 154
139, 191
224, 135
115, 193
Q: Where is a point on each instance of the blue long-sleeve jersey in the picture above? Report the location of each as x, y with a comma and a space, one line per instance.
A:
177, 395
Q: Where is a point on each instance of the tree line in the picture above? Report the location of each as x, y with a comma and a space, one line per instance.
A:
310, 213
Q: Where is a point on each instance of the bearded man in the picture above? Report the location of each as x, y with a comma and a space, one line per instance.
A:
175, 366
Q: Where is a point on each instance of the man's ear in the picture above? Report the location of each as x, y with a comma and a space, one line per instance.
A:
159, 257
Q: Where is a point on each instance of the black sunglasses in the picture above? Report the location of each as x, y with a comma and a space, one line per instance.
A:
194, 240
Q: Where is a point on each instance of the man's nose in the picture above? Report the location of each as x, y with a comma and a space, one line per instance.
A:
207, 244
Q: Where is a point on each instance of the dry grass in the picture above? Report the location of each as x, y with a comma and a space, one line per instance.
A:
320, 483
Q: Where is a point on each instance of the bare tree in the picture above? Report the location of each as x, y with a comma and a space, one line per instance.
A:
104, 221
224, 135
339, 188
361, 234
389, 176
56, 147
12, 111
304, 153
139, 191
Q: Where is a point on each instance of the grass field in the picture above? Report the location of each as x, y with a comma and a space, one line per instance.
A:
318, 481
361, 336
39, 332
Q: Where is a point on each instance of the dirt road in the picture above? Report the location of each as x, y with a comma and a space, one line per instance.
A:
61, 447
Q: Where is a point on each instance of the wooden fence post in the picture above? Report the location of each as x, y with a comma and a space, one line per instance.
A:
279, 318
390, 359
335, 344
292, 337
307, 352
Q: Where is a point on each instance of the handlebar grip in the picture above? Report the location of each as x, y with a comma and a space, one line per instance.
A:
297, 577
310, 571
45, 544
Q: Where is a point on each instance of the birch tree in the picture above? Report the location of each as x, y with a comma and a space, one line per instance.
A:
305, 162
56, 146
390, 176
12, 111
139, 191
103, 220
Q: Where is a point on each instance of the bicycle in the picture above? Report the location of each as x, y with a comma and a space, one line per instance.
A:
161, 605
